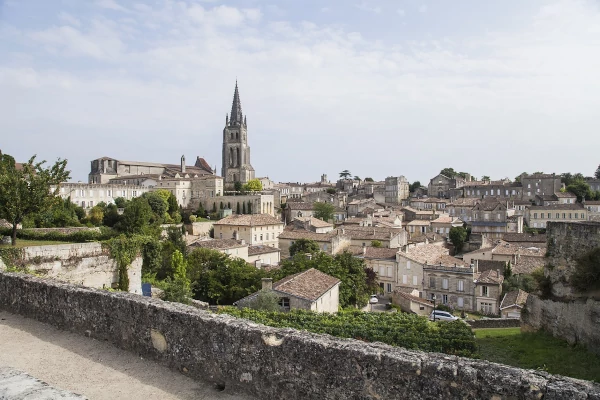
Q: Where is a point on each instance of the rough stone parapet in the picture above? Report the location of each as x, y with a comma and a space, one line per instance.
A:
269, 362
17, 385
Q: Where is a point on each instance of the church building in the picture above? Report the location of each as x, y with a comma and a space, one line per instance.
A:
236, 152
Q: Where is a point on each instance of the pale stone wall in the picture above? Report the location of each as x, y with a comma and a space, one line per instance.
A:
273, 363
200, 228
86, 264
88, 195
329, 302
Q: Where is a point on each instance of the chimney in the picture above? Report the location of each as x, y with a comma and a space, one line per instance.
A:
183, 164
243, 242
258, 265
364, 250
267, 283
236, 235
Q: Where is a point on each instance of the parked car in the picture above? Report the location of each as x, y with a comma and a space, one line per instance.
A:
442, 316
373, 299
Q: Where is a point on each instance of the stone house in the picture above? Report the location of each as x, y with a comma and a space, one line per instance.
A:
440, 186
364, 236
524, 257
429, 203
252, 203
255, 229
313, 224
261, 255
396, 189
501, 190
231, 247
488, 287
542, 184
461, 208
418, 227
512, 303
539, 216
333, 242
593, 210
411, 214
450, 280
410, 302
297, 209
443, 224
88, 195
356, 207
383, 262
555, 198
308, 290
594, 184
492, 219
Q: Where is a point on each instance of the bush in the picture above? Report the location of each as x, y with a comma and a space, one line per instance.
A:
396, 329
587, 272
80, 236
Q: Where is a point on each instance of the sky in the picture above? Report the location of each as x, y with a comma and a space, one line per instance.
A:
377, 87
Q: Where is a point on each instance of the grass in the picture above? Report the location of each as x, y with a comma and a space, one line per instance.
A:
28, 243
537, 350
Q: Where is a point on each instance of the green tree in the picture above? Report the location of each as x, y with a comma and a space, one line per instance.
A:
124, 249
201, 212
178, 289
485, 178
331, 191
304, 246
368, 179
581, 189
172, 203
96, 215
243, 208
27, 190
265, 300
158, 202
111, 215
249, 207
597, 173
237, 208
518, 178
120, 202
237, 186
458, 236
376, 243
136, 216
414, 186
507, 270
323, 211
449, 172
345, 174
253, 185
356, 178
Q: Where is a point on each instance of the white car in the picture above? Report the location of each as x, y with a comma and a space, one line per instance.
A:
442, 316
373, 299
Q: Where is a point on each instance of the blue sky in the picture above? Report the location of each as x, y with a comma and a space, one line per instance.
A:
376, 87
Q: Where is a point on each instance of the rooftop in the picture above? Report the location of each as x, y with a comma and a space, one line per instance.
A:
310, 284
514, 298
490, 276
378, 253
260, 249
218, 244
249, 220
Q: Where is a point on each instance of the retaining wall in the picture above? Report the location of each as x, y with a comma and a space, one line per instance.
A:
273, 363
87, 264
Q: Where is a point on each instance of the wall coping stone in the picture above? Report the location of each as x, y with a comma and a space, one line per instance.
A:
272, 362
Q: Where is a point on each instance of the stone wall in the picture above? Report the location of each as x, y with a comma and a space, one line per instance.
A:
273, 363
199, 228
86, 264
495, 323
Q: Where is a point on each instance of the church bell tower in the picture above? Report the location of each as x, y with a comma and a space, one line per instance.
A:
236, 152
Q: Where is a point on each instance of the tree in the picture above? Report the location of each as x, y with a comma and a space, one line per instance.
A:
485, 178
237, 186
136, 216
345, 174
237, 208
581, 189
243, 208
96, 215
201, 212
158, 202
518, 178
368, 179
376, 243
449, 172
178, 289
303, 246
457, 236
26, 190
253, 185
120, 202
265, 300
323, 211
414, 186
597, 173
331, 191
356, 178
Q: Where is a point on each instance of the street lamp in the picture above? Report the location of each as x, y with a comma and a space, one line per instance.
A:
433, 298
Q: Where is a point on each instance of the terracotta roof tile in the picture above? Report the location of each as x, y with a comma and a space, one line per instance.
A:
249, 220
514, 298
310, 284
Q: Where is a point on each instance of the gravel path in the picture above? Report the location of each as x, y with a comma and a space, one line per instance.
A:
92, 368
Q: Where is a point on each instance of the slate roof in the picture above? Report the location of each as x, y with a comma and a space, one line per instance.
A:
514, 298
249, 220
310, 284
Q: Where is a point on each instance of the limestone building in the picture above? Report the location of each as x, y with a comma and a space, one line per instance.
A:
396, 189
236, 152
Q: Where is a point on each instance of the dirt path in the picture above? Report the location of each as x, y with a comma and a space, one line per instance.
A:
92, 368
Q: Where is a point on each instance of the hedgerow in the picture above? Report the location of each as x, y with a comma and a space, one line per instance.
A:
81, 236
397, 329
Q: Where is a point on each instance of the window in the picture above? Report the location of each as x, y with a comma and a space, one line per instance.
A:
564, 215
432, 282
444, 283
460, 286
381, 271
284, 302
444, 299
461, 302
486, 308
582, 215
557, 215
390, 272
91, 204
415, 282
534, 215
484, 291
261, 237
389, 287
570, 215
255, 238
408, 265
404, 279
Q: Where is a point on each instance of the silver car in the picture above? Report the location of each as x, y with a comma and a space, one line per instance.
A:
442, 316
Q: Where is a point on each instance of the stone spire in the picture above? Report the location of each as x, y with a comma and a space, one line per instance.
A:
236, 108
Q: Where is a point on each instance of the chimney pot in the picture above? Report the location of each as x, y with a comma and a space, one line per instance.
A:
267, 283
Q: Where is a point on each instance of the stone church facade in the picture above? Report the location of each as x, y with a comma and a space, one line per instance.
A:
236, 152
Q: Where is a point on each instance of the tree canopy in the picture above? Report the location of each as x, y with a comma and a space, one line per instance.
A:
369, 179
414, 186
597, 173
26, 189
457, 236
303, 246
253, 185
345, 174
323, 211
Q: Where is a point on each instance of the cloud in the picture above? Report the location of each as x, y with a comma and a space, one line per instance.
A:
111, 5
68, 19
423, 8
401, 12
350, 95
368, 7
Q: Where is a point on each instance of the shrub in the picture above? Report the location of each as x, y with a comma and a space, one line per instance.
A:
587, 272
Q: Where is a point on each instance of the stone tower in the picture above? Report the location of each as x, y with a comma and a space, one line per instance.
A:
236, 153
